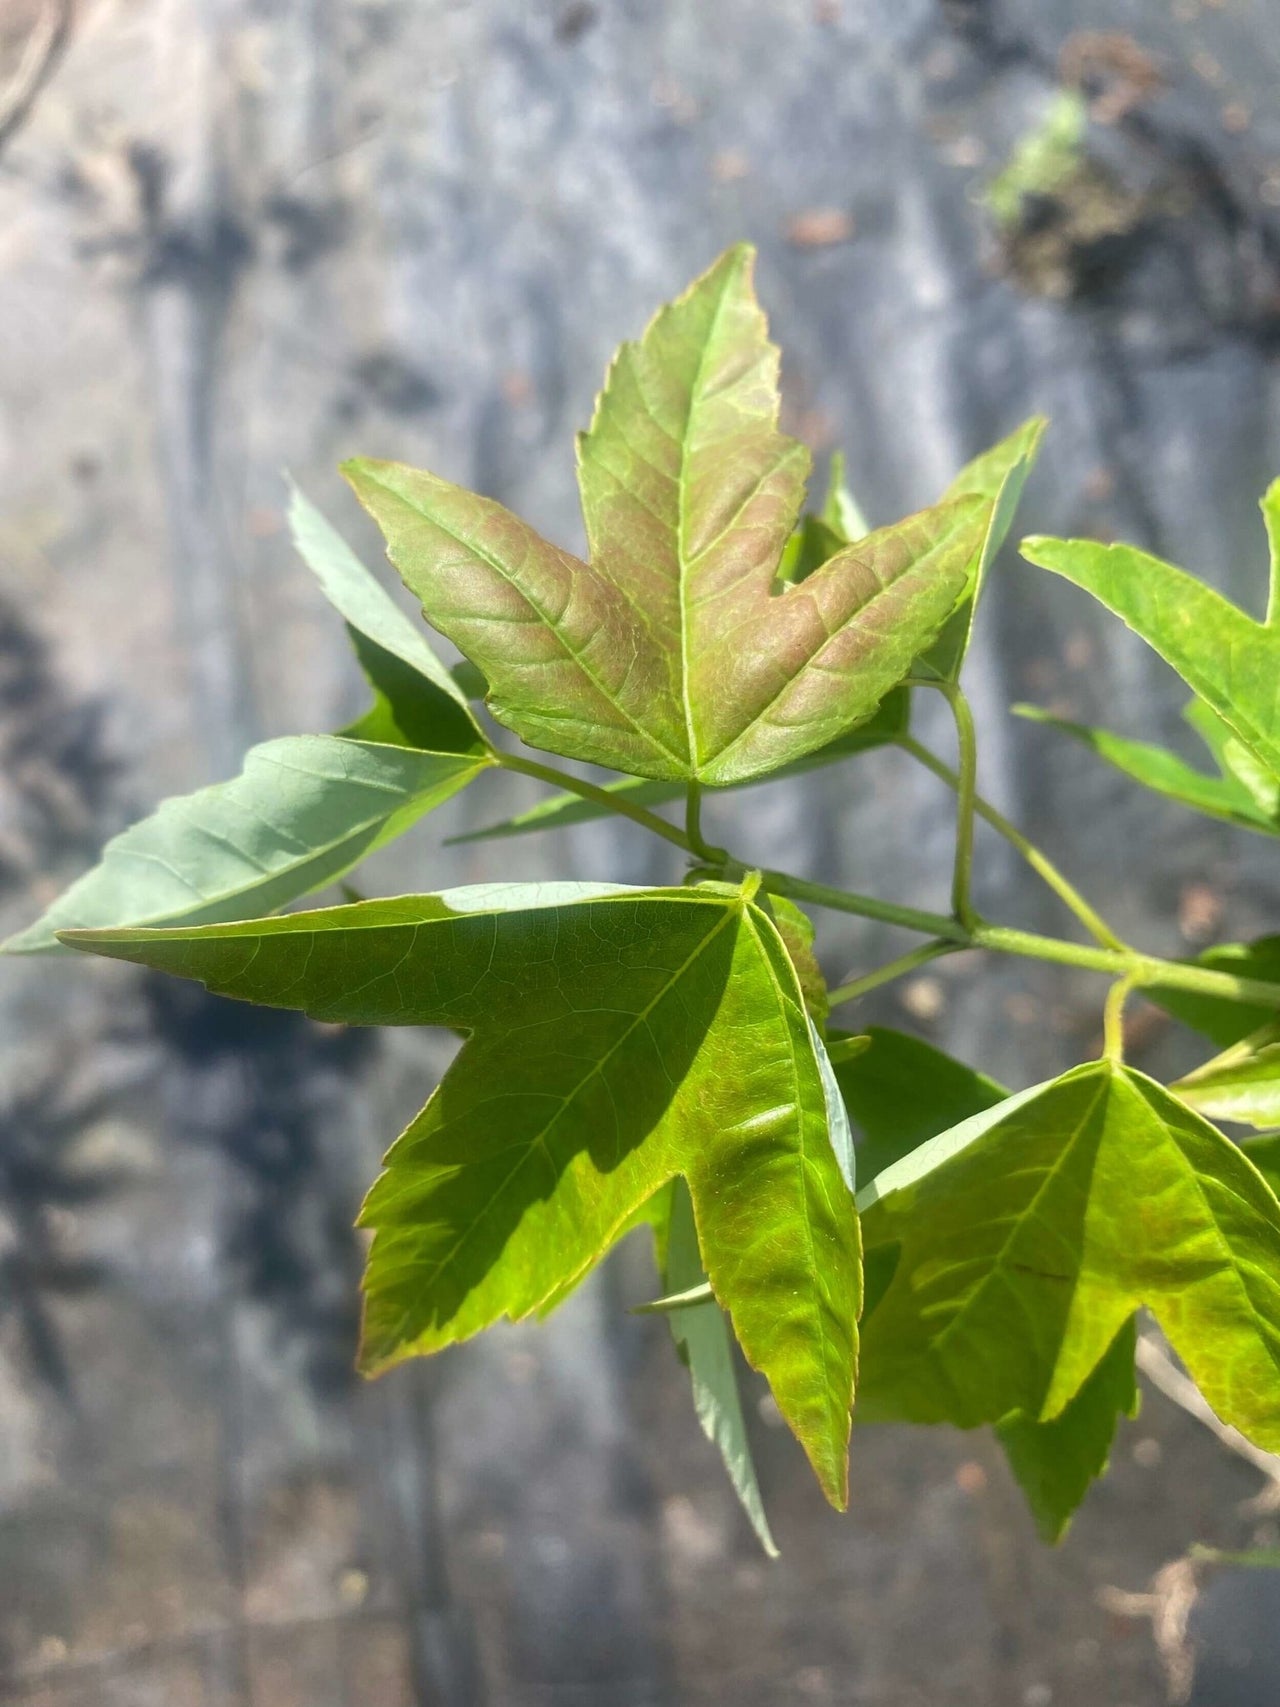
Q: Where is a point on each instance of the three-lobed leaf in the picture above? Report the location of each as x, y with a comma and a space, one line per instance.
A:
903, 1092
1021, 1242
616, 1039
672, 654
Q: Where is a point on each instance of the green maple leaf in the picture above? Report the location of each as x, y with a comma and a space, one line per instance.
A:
1056, 1461
672, 654
1230, 661
903, 1092
1241, 1085
417, 703
1022, 1241
617, 1038
705, 1346
304, 810
1241, 793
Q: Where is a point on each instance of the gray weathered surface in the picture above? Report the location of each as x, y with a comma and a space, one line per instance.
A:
240, 237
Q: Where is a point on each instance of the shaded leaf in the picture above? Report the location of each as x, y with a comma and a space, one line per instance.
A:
1054, 1462
1228, 660
407, 709
903, 1091
795, 927
617, 1038
1223, 796
670, 656
811, 545
1264, 1153
889, 721
841, 513
1029, 1235
418, 702
303, 811
1218, 1018
998, 476
901, 1094
702, 1338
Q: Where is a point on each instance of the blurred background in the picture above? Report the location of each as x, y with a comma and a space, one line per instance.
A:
243, 235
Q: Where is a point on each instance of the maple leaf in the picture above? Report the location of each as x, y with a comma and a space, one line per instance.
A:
674, 653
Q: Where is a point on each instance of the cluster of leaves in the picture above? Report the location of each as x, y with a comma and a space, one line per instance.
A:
664, 1056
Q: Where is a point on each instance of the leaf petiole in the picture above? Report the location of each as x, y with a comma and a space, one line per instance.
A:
698, 847
1039, 862
598, 796
893, 969
966, 788
1113, 1022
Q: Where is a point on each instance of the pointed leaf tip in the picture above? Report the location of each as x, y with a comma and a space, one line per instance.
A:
669, 656
615, 1038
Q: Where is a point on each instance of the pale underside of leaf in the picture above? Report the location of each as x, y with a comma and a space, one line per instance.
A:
1242, 1087
701, 1333
303, 811
360, 599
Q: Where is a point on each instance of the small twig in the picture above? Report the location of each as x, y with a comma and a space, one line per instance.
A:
1164, 1374
45, 47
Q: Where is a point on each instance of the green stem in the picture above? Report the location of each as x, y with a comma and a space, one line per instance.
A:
1113, 1022
1040, 863
1114, 959
598, 796
966, 787
693, 829
1144, 971
894, 969
867, 907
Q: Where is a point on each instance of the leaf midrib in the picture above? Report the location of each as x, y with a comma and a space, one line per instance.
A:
801, 1165
402, 802
855, 616
683, 562
998, 1264
552, 627
538, 1140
